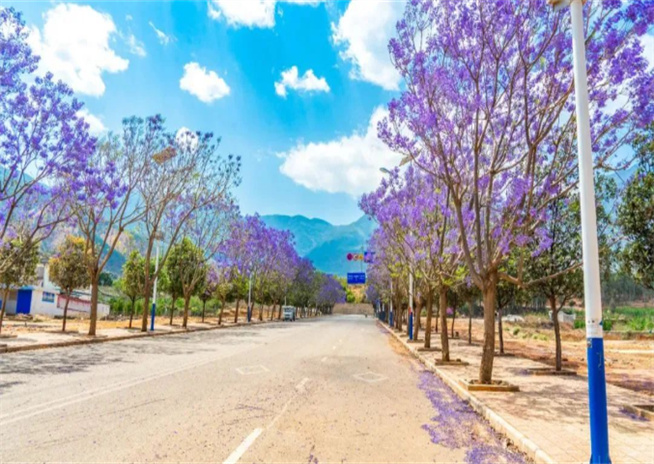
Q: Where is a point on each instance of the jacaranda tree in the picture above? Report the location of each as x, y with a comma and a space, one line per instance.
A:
488, 111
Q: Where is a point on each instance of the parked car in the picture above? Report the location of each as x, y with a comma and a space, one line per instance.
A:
289, 313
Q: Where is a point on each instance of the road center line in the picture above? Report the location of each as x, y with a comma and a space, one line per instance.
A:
243, 447
300, 386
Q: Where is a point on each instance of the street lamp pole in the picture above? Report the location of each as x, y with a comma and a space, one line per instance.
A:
249, 312
154, 290
599, 433
390, 314
411, 316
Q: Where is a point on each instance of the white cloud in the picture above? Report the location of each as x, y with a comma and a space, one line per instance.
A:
249, 13
74, 46
96, 126
164, 39
206, 85
136, 47
305, 83
186, 138
364, 31
128, 17
349, 164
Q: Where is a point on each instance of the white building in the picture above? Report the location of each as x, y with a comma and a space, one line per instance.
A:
44, 298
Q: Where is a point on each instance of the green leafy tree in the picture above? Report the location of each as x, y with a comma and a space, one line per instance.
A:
106, 279
25, 256
133, 280
636, 214
187, 271
69, 269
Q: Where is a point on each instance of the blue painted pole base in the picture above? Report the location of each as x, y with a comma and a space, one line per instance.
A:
599, 424
154, 307
410, 326
390, 319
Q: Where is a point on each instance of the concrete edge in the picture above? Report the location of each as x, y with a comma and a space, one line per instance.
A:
496, 421
43, 346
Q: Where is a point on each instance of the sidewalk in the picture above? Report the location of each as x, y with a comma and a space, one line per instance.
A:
51, 337
548, 418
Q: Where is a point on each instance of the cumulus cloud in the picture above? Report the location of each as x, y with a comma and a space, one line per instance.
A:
206, 85
363, 32
308, 82
136, 47
74, 46
164, 39
250, 13
96, 126
350, 164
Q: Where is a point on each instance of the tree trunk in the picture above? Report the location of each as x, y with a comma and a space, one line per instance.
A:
5, 296
470, 309
93, 317
488, 352
279, 311
430, 310
453, 318
131, 314
416, 320
146, 303
442, 308
272, 312
222, 308
63, 325
187, 303
261, 311
438, 316
238, 302
204, 304
557, 332
172, 307
499, 329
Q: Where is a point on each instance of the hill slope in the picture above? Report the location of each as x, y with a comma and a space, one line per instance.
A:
324, 244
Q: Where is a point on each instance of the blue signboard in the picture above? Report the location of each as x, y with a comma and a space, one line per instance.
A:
355, 278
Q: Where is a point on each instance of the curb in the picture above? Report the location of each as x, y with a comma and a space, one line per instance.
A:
43, 346
497, 422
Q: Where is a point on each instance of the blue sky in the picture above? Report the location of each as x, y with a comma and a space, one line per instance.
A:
308, 143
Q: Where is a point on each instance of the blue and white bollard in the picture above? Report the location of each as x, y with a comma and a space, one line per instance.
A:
410, 326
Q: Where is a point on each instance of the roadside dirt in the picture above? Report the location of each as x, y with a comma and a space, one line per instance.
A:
629, 363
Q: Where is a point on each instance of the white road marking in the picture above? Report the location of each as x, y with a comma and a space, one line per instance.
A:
334, 347
324, 359
34, 410
247, 370
280, 414
370, 377
243, 447
300, 386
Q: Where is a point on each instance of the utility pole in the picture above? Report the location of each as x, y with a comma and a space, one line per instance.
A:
599, 429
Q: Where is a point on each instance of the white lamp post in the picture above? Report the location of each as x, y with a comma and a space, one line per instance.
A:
599, 434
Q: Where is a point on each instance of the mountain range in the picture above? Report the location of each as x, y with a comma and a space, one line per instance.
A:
325, 244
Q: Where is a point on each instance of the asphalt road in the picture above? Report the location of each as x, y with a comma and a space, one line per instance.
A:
333, 389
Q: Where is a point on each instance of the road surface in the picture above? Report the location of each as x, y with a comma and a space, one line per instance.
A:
332, 389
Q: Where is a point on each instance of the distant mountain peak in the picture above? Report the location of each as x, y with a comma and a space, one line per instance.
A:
325, 244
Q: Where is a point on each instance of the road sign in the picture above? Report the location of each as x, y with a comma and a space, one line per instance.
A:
355, 278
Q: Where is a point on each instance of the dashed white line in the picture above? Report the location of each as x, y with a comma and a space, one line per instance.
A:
243, 447
300, 386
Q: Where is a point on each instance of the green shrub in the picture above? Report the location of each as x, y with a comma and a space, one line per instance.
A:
607, 325
579, 324
515, 331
